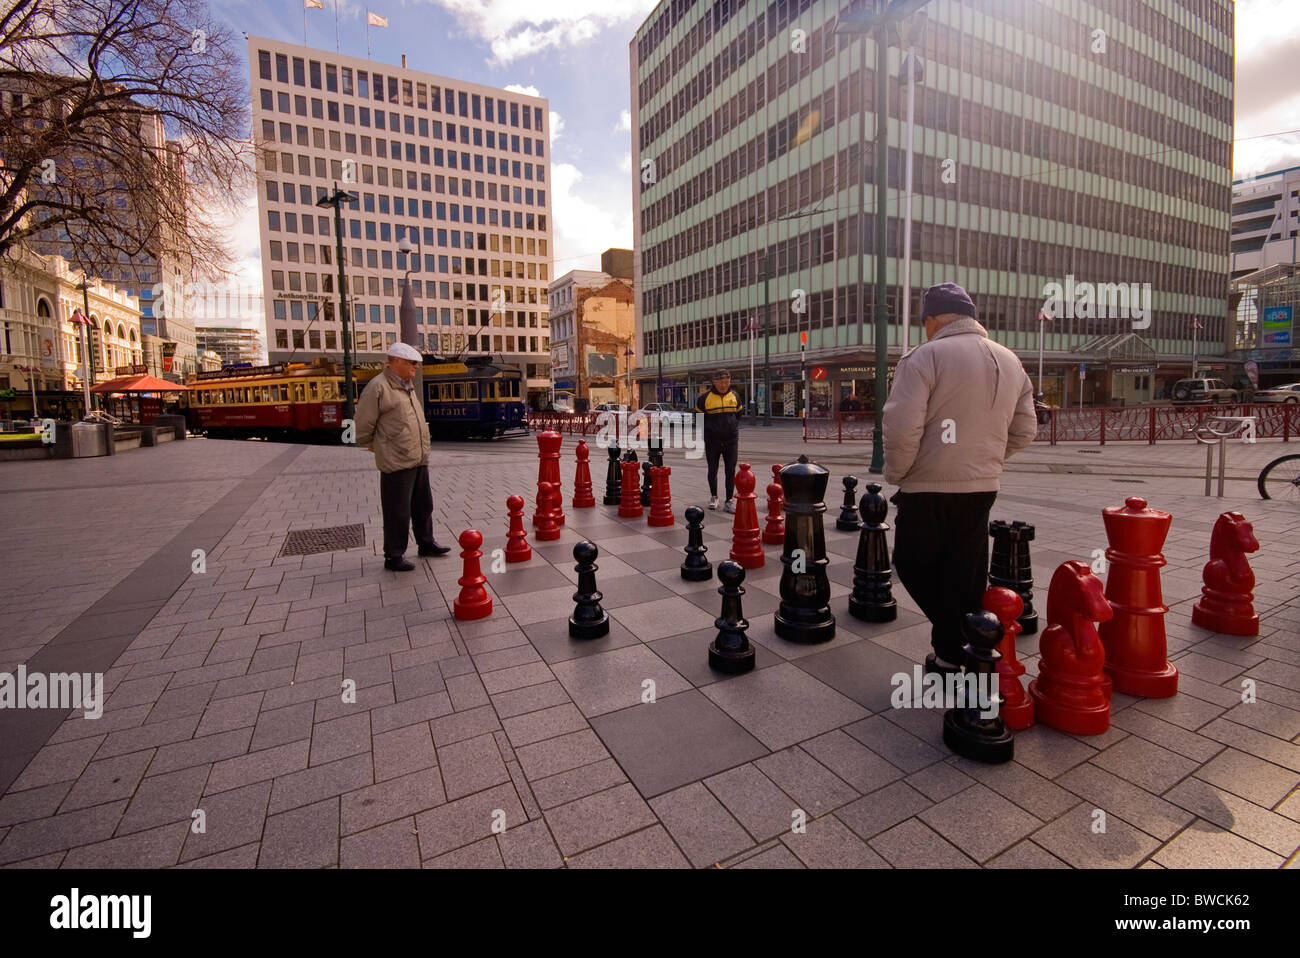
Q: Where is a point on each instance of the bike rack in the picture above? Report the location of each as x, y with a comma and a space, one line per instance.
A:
1209, 435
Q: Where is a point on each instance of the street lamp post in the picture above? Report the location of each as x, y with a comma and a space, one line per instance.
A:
1196, 356
767, 340
913, 66
752, 328
659, 353
86, 368
336, 200
627, 362
1042, 319
406, 312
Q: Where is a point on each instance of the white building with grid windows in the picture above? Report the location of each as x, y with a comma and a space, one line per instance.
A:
460, 169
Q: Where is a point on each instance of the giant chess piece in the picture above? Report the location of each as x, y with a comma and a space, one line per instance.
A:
473, 602
696, 568
975, 730
548, 469
848, 519
873, 598
1017, 706
645, 482
1072, 693
661, 497
629, 506
548, 529
730, 650
805, 613
613, 477
746, 540
582, 493
655, 450
774, 530
517, 547
1227, 604
1137, 659
589, 620
1010, 567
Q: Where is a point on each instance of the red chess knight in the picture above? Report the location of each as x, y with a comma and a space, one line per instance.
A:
774, 530
1071, 692
582, 494
661, 497
746, 541
517, 547
473, 601
1017, 709
1227, 604
1137, 659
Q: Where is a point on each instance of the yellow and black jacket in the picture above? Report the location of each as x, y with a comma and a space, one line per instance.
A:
721, 415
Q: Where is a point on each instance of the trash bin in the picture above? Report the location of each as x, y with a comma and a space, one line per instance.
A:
89, 439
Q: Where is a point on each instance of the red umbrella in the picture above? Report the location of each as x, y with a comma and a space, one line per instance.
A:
139, 384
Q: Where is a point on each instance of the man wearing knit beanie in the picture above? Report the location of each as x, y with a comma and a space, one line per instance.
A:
960, 405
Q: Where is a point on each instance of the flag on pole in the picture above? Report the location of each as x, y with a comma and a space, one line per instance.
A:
375, 20
313, 4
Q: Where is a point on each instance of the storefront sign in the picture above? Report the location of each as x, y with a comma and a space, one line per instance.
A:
817, 373
1275, 324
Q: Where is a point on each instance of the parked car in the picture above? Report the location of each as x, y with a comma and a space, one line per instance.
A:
1204, 391
1043, 411
562, 407
611, 407
1287, 393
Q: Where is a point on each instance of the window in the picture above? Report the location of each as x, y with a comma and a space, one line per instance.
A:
264, 64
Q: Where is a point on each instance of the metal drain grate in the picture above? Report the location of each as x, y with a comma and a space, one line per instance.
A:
306, 542
1129, 480
1090, 452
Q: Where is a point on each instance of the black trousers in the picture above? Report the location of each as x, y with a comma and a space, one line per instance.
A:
407, 502
941, 554
727, 449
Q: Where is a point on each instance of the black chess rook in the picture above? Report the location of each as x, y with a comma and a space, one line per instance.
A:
589, 620
696, 568
872, 599
1010, 567
974, 728
730, 651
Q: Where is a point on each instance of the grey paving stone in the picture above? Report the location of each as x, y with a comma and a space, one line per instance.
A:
1049, 752
1026, 788
529, 699
882, 809
422, 709
899, 747
164, 799
860, 670
852, 761
550, 638
259, 766
980, 822
306, 837
417, 681
939, 781
1203, 845
613, 680
544, 724
59, 832
156, 848
225, 715
577, 783
108, 779
1207, 669
64, 762
1170, 736
32, 803
1186, 711
529, 846
1072, 839
1252, 778
1268, 829
648, 848
279, 726
700, 826
755, 801
232, 819
339, 738
394, 845
76, 726
200, 751
777, 856
320, 782
1266, 717
688, 655
827, 843
1145, 764
1259, 744
783, 705
482, 854
467, 692
471, 765
662, 617
909, 844
1025, 855
462, 725
599, 818
803, 778
467, 820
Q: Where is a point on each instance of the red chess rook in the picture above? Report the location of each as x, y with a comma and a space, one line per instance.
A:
473, 601
629, 503
774, 530
746, 541
1071, 692
1137, 659
548, 469
1227, 605
548, 494
661, 497
583, 498
1017, 708
517, 547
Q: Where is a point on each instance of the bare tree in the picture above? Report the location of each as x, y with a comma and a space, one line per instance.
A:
123, 129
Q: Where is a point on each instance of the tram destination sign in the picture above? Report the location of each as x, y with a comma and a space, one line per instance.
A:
273, 370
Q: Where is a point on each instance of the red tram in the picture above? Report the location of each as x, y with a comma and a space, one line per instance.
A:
280, 401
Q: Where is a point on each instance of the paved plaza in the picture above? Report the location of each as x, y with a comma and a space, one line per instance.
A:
502, 742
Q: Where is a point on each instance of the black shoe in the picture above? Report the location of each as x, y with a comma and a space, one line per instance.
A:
434, 550
398, 565
933, 663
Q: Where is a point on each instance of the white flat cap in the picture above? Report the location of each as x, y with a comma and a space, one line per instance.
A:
403, 351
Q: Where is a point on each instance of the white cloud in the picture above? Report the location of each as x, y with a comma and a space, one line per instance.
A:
557, 126
520, 28
624, 121
625, 164
587, 221
525, 90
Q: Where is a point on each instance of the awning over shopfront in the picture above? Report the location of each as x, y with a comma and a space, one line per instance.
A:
1121, 348
139, 384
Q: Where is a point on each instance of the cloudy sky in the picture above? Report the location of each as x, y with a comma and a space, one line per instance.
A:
575, 53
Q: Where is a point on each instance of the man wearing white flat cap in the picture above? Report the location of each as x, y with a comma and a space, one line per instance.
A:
390, 421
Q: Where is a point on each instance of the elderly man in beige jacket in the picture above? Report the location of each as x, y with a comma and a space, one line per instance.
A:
390, 421
960, 405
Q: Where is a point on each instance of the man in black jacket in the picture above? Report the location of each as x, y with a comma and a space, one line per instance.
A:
721, 408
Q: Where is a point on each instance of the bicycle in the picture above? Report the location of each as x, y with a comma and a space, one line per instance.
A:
1280, 479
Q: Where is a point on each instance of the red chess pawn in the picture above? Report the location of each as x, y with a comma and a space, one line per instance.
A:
774, 531
1137, 659
548, 494
548, 468
1227, 604
629, 503
473, 601
746, 541
517, 547
661, 497
582, 495
1071, 692
1017, 709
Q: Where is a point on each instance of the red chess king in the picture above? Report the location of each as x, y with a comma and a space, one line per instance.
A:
1137, 658
1071, 692
629, 503
1227, 604
473, 601
774, 530
517, 547
547, 528
582, 494
548, 469
746, 541
661, 497
1017, 707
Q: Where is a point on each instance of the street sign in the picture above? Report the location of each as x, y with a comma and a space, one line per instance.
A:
818, 372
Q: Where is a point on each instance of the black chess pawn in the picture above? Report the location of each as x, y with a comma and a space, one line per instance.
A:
1010, 568
730, 651
974, 729
696, 568
589, 620
630, 456
613, 477
873, 599
848, 520
805, 612
645, 483
655, 452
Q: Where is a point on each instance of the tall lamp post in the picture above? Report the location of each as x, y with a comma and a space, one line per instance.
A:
1196, 356
659, 353
877, 23
84, 323
1043, 319
752, 327
914, 70
336, 200
767, 340
627, 362
406, 312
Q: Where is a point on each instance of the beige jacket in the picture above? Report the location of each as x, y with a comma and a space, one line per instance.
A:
960, 405
390, 421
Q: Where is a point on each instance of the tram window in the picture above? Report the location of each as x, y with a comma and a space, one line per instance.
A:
444, 392
327, 390
459, 391
284, 392
297, 392
261, 394
471, 390
314, 389
489, 390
